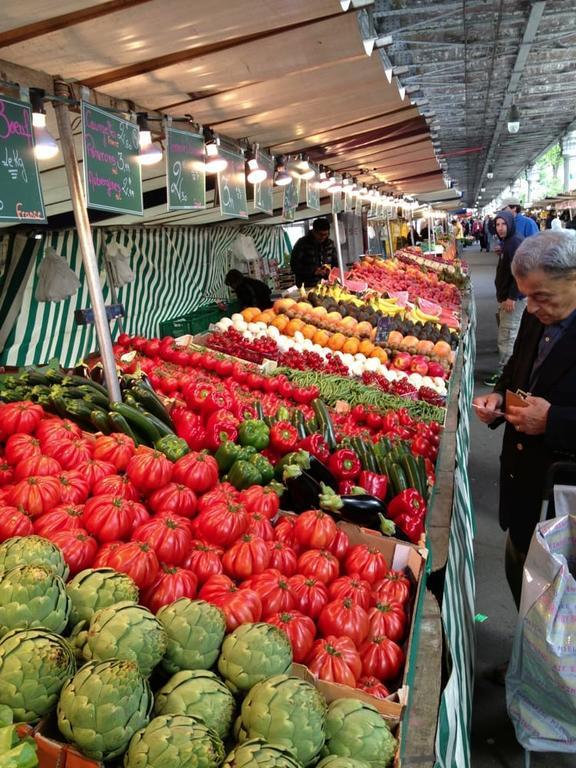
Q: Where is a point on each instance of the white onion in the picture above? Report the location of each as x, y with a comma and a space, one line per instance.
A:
273, 332
236, 317
299, 337
240, 325
360, 357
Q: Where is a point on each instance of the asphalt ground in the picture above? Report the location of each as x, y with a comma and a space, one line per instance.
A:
493, 739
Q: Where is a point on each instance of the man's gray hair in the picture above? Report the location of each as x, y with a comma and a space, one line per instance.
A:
552, 252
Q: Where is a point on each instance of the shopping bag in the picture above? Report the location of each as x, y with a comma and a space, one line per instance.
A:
56, 281
118, 258
541, 678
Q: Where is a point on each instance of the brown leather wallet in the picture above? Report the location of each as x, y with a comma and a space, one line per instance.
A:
517, 399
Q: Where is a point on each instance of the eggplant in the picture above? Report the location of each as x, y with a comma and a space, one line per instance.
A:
303, 490
320, 472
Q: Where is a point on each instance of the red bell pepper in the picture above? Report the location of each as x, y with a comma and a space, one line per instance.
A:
283, 437
411, 526
358, 414
316, 445
218, 432
374, 420
408, 503
192, 431
305, 394
344, 464
374, 484
217, 400
196, 394
349, 488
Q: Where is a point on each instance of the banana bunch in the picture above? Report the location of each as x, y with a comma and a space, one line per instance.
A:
416, 315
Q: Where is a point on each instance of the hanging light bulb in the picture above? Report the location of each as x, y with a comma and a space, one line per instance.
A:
335, 185
281, 177
305, 170
490, 172
513, 119
150, 153
45, 145
325, 180
256, 174
214, 162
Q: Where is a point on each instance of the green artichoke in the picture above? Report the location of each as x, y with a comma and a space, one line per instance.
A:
97, 588
252, 653
195, 631
287, 711
175, 741
103, 706
32, 550
33, 596
34, 665
257, 753
198, 693
125, 631
335, 761
358, 730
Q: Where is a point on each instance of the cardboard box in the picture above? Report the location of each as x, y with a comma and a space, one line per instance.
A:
55, 753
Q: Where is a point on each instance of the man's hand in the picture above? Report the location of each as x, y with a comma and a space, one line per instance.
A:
508, 305
488, 407
530, 419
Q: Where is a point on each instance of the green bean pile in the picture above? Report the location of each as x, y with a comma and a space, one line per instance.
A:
333, 388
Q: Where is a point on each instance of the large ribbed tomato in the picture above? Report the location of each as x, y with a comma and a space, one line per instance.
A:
284, 531
94, 469
344, 617
204, 560
240, 606
274, 589
74, 488
70, 453
340, 544
300, 629
335, 659
108, 518
388, 618
35, 495
263, 500
248, 556
198, 471
21, 446
52, 426
171, 584
149, 469
222, 493
78, 547
6, 473
260, 526
395, 586
116, 485
116, 448
36, 466
354, 587
136, 559
222, 524
374, 687
64, 517
369, 562
169, 536
320, 564
174, 497
14, 522
381, 658
23, 416
283, 558
314, 529
311, 594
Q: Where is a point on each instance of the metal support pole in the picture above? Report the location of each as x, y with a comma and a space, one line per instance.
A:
86, 243
411, 225
338, 248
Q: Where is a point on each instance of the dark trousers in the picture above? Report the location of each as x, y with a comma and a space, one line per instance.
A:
514, 561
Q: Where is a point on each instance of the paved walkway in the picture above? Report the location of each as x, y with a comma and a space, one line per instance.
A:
493, 741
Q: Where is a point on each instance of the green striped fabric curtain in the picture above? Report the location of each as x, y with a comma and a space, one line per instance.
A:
178, 270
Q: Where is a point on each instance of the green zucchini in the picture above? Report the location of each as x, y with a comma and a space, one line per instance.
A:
397, 479
120, 424
410, 467
100, 421
324, 423
80, 381
138, 421
300, 423
164, 429
152, 403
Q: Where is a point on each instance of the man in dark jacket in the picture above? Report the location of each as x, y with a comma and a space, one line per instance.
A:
511, 303
250, 292
543, 363
312, 253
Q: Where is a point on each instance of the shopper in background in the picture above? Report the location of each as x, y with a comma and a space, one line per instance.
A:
511, 303
556, 224
544, 364
249, 291
525, 226
312, 254
457, 229
486, 234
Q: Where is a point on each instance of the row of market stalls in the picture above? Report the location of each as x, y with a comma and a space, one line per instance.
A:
291, 87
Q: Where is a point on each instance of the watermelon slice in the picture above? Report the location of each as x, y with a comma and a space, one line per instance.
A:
430, 307
400, 296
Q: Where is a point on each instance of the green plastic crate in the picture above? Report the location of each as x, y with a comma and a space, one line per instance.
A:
202, 318
176, 326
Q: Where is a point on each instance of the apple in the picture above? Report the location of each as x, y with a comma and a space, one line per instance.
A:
418, 364
436, 369
402, 361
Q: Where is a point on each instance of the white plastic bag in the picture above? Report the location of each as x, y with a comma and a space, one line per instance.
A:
56, 281
244, 249
541, 679
118, 257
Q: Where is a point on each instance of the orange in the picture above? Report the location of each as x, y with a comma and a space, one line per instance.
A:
380, 354
281, 305
351, 346
303, 307
366, 347
292, 327
309, 331
280, 322
337, 341
250, 313
321, 338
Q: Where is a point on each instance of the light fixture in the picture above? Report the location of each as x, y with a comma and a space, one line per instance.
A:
482, 189
325, 180
305, 170
355, 4
150, 153
45, 145
281, 177
513, 119
256, 174
490, 172
370, 43
214, 162
335, 184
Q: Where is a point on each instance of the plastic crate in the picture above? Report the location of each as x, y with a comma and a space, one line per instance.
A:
176, 326
202, 318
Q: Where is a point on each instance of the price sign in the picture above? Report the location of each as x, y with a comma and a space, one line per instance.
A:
20, 190
383, 329
185, 173
264, 191
112, 172
291, 199
313, 190
232, 185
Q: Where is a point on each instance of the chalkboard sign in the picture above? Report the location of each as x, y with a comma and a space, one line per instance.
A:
264, 191
112, 172
291, 199
20, 191
313, 190
232, 185
385, 325
185, 172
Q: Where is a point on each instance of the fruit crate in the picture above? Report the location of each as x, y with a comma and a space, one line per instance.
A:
176, 326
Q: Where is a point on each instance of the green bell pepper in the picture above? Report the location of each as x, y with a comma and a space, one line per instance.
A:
227, 453
243, 474
254, 432
246, 453
263, 466
172, 446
